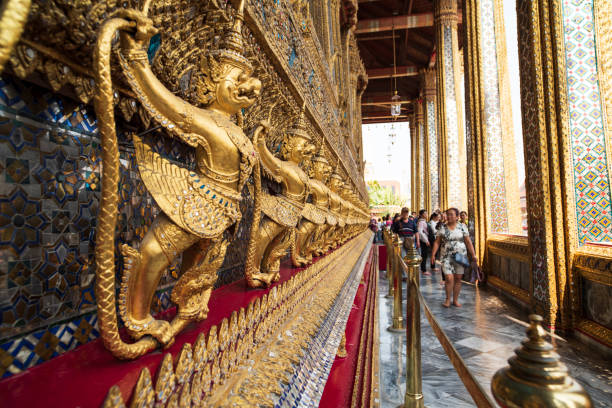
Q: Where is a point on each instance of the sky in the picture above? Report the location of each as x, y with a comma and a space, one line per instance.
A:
388, 161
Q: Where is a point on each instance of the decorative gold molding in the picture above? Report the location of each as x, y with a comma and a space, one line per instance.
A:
594, 264
515, 291
510, 246
446, 12
237, 354
596, 331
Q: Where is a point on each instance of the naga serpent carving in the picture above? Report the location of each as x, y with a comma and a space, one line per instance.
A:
197, 206
13, 16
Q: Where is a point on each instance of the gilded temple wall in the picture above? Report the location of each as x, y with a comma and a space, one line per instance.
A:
50, 166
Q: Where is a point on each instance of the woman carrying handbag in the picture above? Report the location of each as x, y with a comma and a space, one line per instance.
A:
454, 242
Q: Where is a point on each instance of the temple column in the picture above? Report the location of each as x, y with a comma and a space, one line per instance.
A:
568, 179
421, 154
453, 172
414, 155
432, 180
493, 190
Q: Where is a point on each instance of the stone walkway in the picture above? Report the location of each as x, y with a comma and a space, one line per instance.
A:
485, 332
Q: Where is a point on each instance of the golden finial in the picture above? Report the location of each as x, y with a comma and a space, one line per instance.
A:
300, 127
232, 45
536, 377
320, 156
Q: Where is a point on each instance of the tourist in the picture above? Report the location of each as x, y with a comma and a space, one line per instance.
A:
388, 221
396, 217
454, 242
406, 227
463, 218
424, 240
379, 232
374, 226
431, 230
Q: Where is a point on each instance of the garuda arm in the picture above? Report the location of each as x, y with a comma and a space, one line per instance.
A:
181, 119
271, 165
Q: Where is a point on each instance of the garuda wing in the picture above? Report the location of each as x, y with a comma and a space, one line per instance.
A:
186, 197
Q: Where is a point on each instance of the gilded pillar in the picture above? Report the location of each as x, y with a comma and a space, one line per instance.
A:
551, 214
476, 145
453, 172
432, 181
421, 154
414, 154
493, 192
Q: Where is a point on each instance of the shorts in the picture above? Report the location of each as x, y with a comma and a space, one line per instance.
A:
450, 268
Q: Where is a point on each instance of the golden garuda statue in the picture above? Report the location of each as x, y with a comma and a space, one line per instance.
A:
308, 242
197, 206
347, 211
271, 238
335, 207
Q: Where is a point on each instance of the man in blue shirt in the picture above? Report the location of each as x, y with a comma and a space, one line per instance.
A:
406, 226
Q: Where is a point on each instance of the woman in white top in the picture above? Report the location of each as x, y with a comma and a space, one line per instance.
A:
455, 244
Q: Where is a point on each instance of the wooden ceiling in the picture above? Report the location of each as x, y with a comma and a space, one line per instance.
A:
414, 49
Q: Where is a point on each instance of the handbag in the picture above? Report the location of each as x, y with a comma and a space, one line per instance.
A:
476, 274
461, 259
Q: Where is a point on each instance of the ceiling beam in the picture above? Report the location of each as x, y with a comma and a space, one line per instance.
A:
375, 25
376, 37
381, 100
404, 22
384, 117
401, 71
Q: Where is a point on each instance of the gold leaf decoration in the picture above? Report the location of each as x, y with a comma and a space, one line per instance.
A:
166, 380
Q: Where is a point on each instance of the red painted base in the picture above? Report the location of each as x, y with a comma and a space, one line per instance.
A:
350, 375
382, 257
82, 377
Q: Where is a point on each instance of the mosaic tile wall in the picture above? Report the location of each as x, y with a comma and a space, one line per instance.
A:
49, 197
430, 117
452, 132
588, 139
498, 215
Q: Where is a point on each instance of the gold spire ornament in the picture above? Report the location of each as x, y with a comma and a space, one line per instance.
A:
536, 377
197, 206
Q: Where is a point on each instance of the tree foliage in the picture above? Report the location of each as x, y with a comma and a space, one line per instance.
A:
380, 195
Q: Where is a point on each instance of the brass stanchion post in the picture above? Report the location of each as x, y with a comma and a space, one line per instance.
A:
536, 377
414, 388
398, 320
390, 263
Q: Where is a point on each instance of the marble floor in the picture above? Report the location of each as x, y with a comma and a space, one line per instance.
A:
485, 332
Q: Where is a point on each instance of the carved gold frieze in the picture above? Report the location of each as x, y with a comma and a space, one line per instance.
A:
59, 42
245, 361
